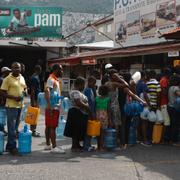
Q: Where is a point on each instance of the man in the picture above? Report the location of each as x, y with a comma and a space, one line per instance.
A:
52, 111
164, 82
5, 72
19, 19
35, 89
105, 78
13, 88
154, 90
142, 91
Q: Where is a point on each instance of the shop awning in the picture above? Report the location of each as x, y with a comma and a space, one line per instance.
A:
123, 52
69, 62
173, 34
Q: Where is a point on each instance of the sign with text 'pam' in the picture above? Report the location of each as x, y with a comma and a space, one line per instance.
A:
30, 21
139, 22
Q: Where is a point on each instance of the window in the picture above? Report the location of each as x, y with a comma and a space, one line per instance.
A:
109, 28
101, 29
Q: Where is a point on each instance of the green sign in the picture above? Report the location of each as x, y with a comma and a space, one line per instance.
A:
30, 21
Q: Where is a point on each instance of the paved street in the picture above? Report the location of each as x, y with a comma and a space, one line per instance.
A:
135, 163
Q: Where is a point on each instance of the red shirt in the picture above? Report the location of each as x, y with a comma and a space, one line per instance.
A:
164, 82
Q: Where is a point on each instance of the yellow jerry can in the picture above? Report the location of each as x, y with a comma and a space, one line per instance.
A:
93, 128
32, 115
157, 133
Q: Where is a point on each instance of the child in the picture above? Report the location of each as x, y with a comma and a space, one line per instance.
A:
103, 112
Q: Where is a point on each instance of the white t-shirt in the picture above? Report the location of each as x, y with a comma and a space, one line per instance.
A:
21, 21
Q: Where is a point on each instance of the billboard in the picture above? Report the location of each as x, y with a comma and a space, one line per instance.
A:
30, 21
139, 22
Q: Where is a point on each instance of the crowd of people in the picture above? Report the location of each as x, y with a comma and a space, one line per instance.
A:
89, 102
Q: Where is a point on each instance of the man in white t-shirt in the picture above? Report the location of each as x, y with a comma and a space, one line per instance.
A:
19, 19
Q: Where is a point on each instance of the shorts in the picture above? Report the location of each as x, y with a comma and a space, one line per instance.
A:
52, 118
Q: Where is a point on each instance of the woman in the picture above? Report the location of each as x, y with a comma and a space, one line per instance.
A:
122, 121
78, 115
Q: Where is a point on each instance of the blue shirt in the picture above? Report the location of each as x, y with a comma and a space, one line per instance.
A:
88, 92
141, 87
35, 84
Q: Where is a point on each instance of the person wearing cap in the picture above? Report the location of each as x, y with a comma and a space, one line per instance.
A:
105, 78
35, 89
52, 111
5, 72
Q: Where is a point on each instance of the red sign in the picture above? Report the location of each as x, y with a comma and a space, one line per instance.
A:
89, 62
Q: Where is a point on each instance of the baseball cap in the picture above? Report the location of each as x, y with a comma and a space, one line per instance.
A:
4, 69
107, 66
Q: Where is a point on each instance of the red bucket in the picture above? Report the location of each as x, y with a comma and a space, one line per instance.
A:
51, 118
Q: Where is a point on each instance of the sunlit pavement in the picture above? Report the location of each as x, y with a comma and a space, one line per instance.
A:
141, 163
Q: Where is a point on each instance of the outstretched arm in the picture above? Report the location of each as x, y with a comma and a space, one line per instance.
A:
134, 96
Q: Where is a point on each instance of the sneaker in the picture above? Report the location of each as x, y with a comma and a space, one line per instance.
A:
146, 144
36, 134
47, 148
58, 150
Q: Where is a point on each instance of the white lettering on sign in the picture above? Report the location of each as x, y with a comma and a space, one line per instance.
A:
47, 20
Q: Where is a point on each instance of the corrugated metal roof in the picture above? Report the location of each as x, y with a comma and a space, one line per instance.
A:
125, 52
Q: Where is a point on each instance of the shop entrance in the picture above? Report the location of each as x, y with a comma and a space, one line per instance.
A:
26, 55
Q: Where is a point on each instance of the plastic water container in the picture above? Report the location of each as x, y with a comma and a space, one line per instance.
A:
66, 104
132, 132
157, 133
32, 115
23, 113
61, 127
133, 108
136, 77
3, 116
1, 142
25, 141
93, 128
41, 100
54, 99
110, 138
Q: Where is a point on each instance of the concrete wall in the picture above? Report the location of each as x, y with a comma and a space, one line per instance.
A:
105, 29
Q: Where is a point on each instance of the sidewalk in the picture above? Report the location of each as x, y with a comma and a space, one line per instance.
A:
136, 163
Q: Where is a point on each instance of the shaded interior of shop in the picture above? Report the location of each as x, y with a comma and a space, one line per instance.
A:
131, 64
26, 55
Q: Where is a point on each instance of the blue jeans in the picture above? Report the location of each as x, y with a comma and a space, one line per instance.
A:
12, 124
2, 117
1, 127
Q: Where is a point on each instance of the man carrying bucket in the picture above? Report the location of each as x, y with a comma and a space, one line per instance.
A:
13, 87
